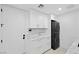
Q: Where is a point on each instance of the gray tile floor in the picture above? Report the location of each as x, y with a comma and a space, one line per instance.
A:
58, 51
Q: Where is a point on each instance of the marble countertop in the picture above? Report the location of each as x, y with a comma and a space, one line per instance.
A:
38, 33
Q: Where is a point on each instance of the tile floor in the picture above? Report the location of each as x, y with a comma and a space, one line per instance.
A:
50, 51
58, 51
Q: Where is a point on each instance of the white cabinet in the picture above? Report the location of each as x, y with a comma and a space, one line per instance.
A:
1, 36
39, 45
15, 23
13, 29
38, 19
0, 28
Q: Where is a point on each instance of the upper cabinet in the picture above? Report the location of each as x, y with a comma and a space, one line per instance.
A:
38, 19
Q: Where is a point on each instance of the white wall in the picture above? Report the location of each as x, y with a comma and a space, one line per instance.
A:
69, 29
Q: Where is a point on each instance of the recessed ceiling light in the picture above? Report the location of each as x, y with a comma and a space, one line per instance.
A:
52, 17
59, 9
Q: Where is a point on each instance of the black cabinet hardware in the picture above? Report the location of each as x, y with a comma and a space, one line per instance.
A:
1, 41
23, 36
30, 29
78, 44
1, 10
2, 25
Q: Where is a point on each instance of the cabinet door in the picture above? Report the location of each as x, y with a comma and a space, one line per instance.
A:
14, 23
38, 46
33, 19
43, 20
1, 40
0, 28
38, 19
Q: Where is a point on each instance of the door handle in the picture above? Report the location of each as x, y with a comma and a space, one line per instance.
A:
23, 36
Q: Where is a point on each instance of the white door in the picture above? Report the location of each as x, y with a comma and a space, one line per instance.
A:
14, 23
1, 40
0, 28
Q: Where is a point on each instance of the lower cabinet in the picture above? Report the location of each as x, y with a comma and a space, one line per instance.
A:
39, 49
38, 46
26, 46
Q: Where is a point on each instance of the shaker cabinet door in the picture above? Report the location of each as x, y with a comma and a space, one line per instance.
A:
14, 23
38, 19
1, 36
0, 28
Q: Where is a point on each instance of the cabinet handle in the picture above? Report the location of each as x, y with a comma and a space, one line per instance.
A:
1, 10
2, 25
23, 36
1, 41
78, 44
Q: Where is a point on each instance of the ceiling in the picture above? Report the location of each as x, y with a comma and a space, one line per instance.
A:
56, 9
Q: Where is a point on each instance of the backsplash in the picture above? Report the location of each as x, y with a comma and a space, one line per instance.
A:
38, 32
